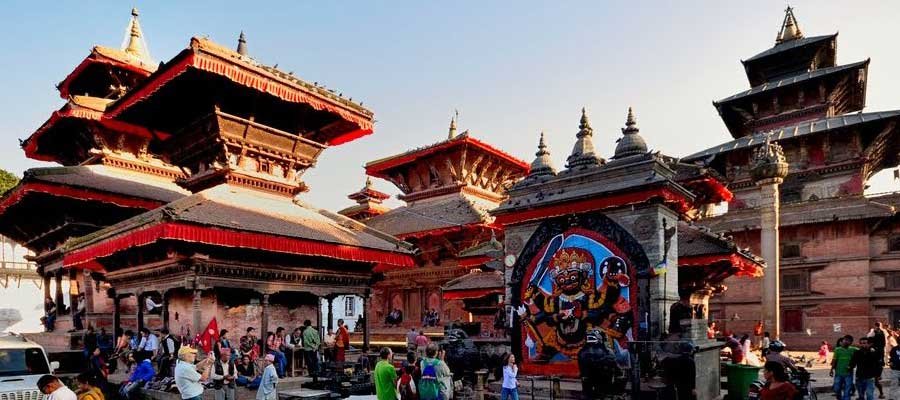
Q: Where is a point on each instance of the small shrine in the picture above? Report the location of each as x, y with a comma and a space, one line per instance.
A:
606, 249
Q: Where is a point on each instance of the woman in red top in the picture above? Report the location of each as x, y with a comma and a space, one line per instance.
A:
341, 342
777, 386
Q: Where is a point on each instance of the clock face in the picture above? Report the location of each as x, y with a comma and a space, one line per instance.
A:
510, 260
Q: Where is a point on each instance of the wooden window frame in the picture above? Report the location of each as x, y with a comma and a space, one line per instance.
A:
805, 290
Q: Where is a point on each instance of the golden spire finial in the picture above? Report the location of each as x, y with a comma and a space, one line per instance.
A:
452, 131
790, 29
134, 44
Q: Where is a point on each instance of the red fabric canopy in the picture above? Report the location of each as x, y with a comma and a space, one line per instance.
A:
466, 294
473, 261
744, 266
229, 238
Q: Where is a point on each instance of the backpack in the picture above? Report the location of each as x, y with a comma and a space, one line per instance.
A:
405, 388
429, 386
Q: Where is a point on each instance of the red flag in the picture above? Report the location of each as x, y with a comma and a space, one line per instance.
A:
209, 336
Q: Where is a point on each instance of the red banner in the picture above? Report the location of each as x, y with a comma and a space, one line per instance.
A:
209, 336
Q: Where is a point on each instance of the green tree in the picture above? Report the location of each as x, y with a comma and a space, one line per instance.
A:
7, 180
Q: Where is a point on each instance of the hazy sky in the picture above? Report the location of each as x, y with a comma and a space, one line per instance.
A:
512, 69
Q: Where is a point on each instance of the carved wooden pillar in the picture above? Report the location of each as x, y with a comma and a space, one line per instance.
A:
73, 289
117, 316
198, 295
165, 308
140, 310
365, 314
264, 321
319, 318
46, 286
59, 293
330, 313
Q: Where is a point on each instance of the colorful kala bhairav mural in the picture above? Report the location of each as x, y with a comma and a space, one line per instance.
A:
578, 282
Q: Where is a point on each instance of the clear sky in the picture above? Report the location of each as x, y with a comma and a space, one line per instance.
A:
512, 69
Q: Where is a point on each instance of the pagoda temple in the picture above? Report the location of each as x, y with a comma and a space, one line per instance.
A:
838, 250
180, 183
110, 171
448, 187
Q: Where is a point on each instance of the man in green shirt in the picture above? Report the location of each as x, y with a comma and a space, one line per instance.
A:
311, 342
840, 368
385, 376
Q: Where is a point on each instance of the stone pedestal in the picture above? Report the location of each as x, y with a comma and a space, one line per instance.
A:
706, 360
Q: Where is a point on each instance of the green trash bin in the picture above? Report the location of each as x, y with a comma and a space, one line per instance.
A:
739, 379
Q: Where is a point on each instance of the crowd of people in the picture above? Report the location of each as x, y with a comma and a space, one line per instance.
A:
856, 366
160, 360
421, 377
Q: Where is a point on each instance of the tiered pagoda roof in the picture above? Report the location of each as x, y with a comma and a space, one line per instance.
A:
447, 186
368, 203
242, 164
812, 106
797, 80
50, 205
235, 132
113, 170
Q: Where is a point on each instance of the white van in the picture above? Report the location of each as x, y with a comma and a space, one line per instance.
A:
22, 363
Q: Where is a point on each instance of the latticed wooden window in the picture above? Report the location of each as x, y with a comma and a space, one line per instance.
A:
792, 320
795, 283
892, 281
349, 306
894, 243
790, 250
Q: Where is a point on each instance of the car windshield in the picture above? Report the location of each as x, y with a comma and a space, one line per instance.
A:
23, 362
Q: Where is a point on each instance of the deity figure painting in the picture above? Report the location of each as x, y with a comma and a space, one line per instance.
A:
577, 283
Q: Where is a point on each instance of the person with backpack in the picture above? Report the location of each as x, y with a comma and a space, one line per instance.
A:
434, 372
168, 353
385, 376
406, 385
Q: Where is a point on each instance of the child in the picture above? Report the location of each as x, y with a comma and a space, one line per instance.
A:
823, 352
406, 386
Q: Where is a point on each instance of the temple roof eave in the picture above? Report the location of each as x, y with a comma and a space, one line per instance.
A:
209, 58
790, 45
792, 80
379, 167
789, 132
103, 55
221, 216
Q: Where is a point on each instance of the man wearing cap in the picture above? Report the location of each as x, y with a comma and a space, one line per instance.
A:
188, 375
269, 380
54, 389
